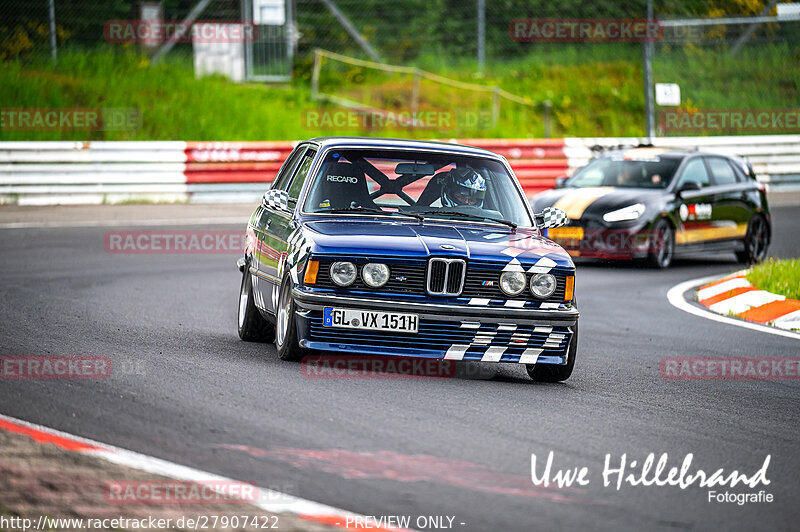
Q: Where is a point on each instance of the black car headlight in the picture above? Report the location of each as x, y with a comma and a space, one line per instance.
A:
626, 214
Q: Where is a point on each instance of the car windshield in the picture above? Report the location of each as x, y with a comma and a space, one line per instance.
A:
416, 183
620, 172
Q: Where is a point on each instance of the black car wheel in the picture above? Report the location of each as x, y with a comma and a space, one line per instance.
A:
252, 325
286, 325
552, 372
662, 244
756, 241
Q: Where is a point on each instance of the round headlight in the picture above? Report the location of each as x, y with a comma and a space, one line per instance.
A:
543, 285
512, 283
343, 273
375, 274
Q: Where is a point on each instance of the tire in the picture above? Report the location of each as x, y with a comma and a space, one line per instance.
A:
662, 245
756, 241
252, 325
286, 325
551, 372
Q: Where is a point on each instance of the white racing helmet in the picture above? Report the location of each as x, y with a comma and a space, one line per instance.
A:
463, 186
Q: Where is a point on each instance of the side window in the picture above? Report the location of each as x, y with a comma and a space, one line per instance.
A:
282, 179
301, 175
695, 170
722, 171
739, 171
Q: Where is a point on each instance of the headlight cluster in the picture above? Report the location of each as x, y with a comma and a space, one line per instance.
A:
373, 274
512, 283
343, 273
626, 214
542, 285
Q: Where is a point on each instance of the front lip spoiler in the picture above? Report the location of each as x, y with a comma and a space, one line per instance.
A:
453, 312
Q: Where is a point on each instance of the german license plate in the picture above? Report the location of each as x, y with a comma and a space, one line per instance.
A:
348, 318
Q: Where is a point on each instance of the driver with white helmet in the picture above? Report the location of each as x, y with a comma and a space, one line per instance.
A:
463, 186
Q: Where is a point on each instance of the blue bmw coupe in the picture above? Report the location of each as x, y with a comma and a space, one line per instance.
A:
407, 248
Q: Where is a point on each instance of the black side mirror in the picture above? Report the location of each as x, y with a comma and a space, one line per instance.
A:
561, 182
689, 186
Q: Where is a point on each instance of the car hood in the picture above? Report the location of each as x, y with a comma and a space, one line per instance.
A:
406, 239
593, 202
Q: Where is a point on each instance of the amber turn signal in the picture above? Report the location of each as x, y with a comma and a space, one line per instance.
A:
312, 268
569, 289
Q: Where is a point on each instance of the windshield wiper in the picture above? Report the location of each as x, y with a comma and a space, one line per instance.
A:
509, 223
372, 211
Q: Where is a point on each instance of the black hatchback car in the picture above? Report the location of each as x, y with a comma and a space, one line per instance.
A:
652, 203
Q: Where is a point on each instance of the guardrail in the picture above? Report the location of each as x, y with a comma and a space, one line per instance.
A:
44, 173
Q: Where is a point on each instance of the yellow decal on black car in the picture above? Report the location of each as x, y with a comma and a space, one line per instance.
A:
574, 202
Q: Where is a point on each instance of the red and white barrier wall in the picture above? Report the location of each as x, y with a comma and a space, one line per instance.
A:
45, 173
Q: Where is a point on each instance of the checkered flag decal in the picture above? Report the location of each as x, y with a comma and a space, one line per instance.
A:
298, 247
277, 199
553, 217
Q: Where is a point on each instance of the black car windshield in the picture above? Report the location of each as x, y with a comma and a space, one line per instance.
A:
620, 172
416, 183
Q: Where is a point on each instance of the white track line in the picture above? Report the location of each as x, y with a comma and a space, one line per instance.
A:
676, 299
269, 500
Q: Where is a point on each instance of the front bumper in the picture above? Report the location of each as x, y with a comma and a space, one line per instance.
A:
600, 242
529, 336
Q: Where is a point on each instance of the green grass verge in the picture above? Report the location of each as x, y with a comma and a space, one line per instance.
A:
594, 90
777, 276
173, 104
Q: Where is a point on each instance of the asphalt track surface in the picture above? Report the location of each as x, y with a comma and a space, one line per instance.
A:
186, 389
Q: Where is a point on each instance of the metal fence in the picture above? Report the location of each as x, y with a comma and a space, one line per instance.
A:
81, 24
25, 30
734, 63
737, 75
400, 31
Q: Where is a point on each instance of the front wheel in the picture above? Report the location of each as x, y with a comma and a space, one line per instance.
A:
252, 325
286, 325
756, 242
552, 372
662, 245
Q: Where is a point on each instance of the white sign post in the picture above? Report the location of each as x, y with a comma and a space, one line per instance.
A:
269, 12
223, 57
668, 94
